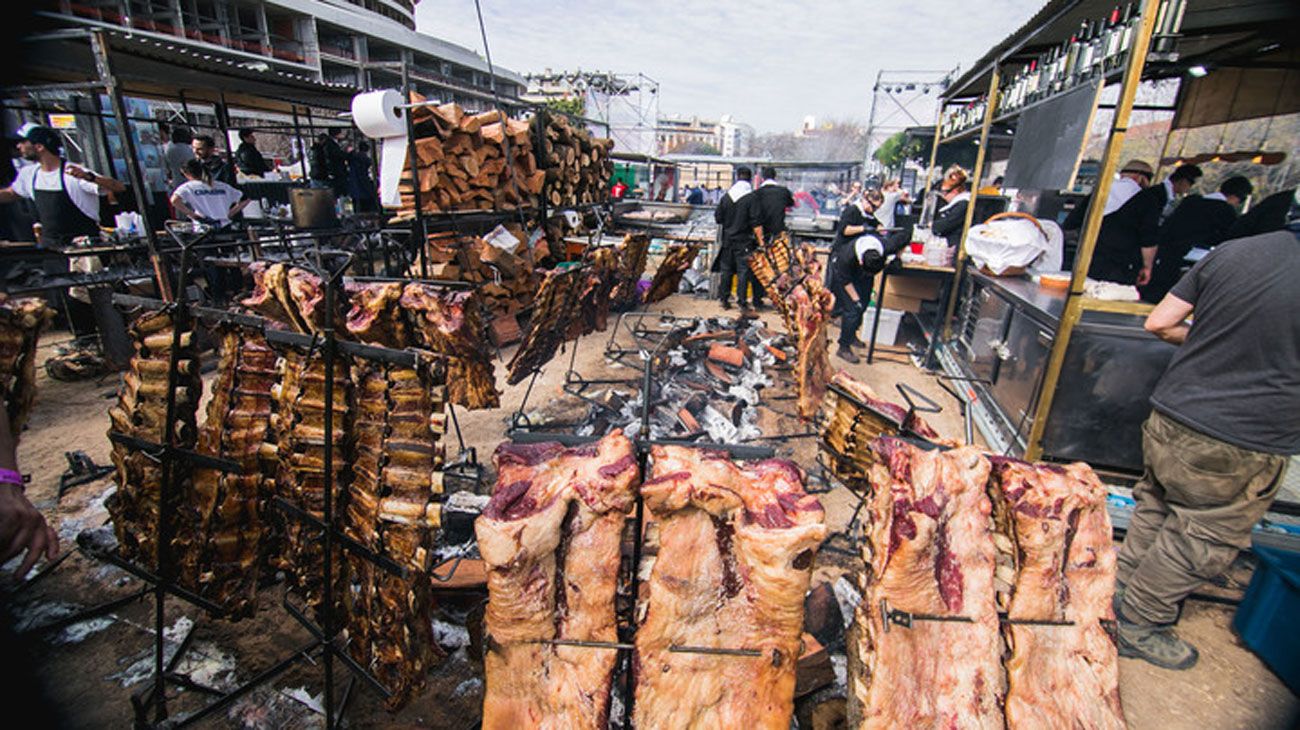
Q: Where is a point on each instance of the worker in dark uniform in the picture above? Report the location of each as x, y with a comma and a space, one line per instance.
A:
853, 271
205, 150
1200, 221
737, 219
66, 196
248, 157
1267, 215
1224, 424
773, 200
1126, 246
954, 196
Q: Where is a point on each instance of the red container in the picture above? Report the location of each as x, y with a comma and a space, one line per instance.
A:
917, 247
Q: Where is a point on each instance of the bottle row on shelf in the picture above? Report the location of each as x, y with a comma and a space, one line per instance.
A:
1097, 49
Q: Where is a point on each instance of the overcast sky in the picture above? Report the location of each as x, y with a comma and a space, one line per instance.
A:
768, 63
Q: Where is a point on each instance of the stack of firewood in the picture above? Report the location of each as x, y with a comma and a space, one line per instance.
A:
506, 279
577, 165
469, 161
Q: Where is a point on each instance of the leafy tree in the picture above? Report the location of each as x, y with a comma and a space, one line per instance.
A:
575, 105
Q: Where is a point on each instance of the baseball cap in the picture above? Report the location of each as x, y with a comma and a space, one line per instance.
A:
36, 134
1138, 167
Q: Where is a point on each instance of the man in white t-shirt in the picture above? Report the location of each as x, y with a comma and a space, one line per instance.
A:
203, 199
66, 196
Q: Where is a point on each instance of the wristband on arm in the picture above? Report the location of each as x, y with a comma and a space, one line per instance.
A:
9, 476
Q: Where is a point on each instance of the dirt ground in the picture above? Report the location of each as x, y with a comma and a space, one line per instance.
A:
91, 668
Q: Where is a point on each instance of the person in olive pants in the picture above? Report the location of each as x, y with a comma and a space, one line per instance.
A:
1225, 421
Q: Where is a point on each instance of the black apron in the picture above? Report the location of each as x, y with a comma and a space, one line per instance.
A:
61, 219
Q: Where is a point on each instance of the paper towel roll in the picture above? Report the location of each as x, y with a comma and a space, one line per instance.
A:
379, 115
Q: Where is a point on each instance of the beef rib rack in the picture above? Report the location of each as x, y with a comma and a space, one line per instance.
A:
550, 537
450, 322
141, 412
736, 547
1059, 675
220, 536
929, 553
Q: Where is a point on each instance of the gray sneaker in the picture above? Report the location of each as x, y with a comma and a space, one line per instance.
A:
1156, 644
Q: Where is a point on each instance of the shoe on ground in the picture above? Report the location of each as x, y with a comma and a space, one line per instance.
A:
845, 353
1156, 644
726, 304
760, 307
859, 343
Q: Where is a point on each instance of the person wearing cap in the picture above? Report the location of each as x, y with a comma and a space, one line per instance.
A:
1133, 177
1224, 424
852, 279
66, 196
1200, 221
1126, 245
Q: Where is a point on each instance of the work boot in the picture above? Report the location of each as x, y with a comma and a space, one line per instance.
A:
859, 343
1156, 644
726, 304
845, 353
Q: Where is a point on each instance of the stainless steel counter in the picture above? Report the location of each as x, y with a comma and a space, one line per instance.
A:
1049, 303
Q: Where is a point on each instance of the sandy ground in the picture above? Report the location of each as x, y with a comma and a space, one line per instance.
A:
91, 668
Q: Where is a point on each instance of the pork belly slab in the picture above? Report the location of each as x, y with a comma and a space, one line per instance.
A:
1060, 676
928, 550
550, 537
735, 556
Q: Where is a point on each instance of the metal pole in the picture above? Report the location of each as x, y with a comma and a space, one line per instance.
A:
934, 152
960, 261
871, 117
419, 236
103, 64
302, 149
223, 126
1092, 226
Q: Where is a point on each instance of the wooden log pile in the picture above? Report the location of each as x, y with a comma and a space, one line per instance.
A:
469, 161
576, 164
506, 280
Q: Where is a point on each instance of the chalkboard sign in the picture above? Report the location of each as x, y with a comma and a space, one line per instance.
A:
1049, 141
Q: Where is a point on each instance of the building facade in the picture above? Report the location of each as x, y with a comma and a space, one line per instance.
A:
359, 43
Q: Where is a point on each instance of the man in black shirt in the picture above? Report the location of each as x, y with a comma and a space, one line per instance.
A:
1225, 421
846, 276
1197, 222
737, 218
774, 200
205, 151
1126, 245
248, 157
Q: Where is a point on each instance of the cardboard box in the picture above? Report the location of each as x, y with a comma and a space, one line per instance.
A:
903, 304
914, 287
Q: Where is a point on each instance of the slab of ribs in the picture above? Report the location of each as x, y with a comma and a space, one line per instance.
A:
393, 509
598, 282
1059, 676
851, 417
141, 412
551, 537
553, 312
299, 430
450, 322
21, 324
736, 547
810, 305
632, 252
670, 272
958, 534
928, 549
220, 538
771, 264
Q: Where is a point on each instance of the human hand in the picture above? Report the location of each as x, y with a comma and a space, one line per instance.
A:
23, 528
79, 172
1144, 276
